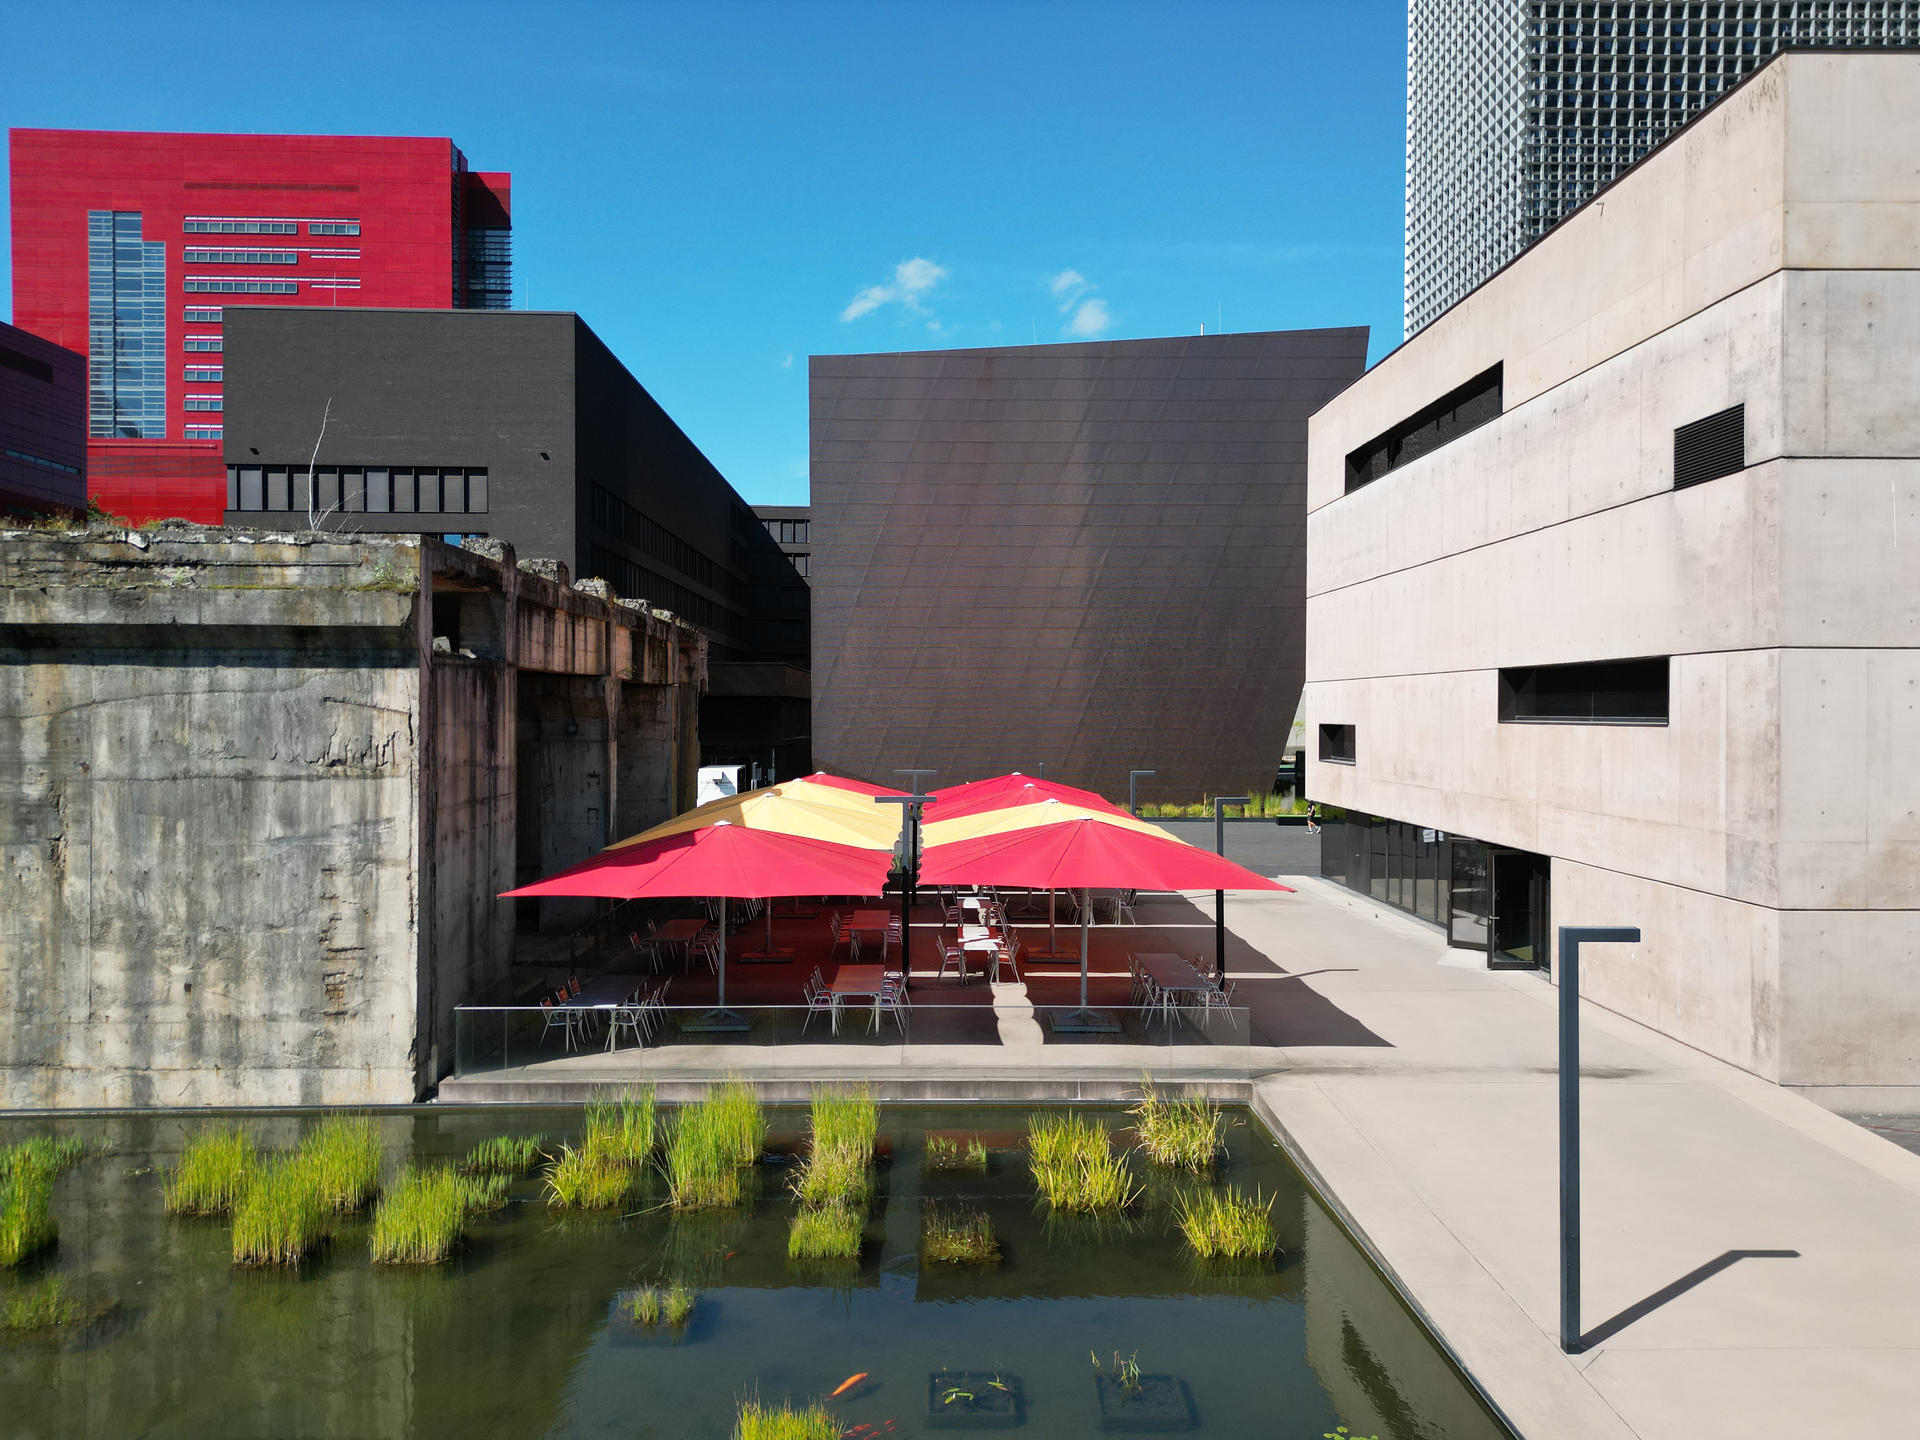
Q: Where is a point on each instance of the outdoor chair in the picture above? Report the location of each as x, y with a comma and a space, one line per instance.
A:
1216, 997
952, 957
1123, 908
1007, 957
889, 1001
892, 937
819, 1000
645, 946
653, 1010
839, 933
631, 1018
707, 946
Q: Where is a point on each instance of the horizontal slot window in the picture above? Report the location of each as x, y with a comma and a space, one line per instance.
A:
1710, 448
333, 227
205, 432
369, 489
1464, 408
196, 256
209, 285
201, 374
1604, 692
205, 402
1337, 744
204, 344
222, 225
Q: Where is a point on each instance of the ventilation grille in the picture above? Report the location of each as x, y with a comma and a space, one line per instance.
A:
1710, 448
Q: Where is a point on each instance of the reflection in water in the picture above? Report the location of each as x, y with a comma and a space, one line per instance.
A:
520, 1337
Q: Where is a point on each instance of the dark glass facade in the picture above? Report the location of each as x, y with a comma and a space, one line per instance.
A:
1486, 897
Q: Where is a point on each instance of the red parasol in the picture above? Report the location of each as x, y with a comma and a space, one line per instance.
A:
1004, 791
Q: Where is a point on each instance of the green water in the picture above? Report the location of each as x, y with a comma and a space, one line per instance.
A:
520, 1336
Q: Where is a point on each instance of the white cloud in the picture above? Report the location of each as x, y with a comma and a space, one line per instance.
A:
1090, 320
1067, 286
912, 281
787, 363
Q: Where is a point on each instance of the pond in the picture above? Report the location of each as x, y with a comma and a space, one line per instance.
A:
524, 1334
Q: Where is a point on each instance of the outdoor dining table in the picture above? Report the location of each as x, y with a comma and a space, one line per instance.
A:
679, 933
1174, 975
871, 922
862, 982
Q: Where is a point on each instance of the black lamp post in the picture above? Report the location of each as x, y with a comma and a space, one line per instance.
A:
909, 865
1220, 896
1133, 794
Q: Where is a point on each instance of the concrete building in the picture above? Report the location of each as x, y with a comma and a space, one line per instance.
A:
1088, 556
258, 796
1519, 110
43, 425
1613, 606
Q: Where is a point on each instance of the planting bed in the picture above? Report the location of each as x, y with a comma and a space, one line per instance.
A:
522, 1331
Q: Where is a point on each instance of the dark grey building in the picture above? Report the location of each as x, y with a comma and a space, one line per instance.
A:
43, 425
791, 527
520, 425
1088, 555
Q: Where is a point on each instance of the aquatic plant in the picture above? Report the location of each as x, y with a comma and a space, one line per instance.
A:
621, 1127
644, 1305
27, 1225
505, 1155
845, 1121
586, 1180
51, 1153
285, 1214
834, 1177
710, 1144
1227, 1225
738, 1120
825, 1232
679, 1304
957, 1237
484, 1192
38, 1307
215, 1168
945, 1153
342, 1156
1074, 1165
783, 1422
1181, 1134
421, 1219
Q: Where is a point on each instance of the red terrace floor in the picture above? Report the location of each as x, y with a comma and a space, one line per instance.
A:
1282, 1010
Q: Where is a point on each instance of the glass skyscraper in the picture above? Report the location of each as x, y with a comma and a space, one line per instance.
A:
126, 328
1519, 110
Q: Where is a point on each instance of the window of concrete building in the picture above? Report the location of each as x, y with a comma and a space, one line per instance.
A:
1709, 448
453, 491
279, 495
1337, 744
404, 493
1464, 408
1605, 692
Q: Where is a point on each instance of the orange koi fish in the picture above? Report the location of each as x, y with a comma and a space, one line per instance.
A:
847, 1384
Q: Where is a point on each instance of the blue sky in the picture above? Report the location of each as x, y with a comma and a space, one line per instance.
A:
723, 189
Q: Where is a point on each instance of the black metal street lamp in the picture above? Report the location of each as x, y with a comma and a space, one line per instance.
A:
1220, 896
1133, 793
909, 865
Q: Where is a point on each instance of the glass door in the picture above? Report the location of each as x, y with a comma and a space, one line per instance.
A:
1468, 895
1517, 925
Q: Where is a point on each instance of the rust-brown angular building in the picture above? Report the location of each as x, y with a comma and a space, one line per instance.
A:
1091, 556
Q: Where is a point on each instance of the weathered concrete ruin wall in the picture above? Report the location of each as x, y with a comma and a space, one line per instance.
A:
208, 806
249, 857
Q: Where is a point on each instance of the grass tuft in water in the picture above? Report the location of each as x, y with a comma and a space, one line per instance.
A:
845, 1122
957, 1237
422, 1220
587, 1179
679, 1304
620, 1127
1074, 1165
44, 1306
826, 1232
342, 1156
505, 1155
215, 1169
834, 1177
286, 1213
1180, 1134
946, 1153
759, 1421
712, 1141
1227, 1225
739, 1120
27, 1225
51, 1153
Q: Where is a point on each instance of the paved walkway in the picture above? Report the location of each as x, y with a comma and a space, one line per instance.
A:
1752, 1261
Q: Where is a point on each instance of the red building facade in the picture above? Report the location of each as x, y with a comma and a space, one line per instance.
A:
127, 247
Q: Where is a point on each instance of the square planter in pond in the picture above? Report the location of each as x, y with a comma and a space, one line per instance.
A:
1159, 1405
974, 1400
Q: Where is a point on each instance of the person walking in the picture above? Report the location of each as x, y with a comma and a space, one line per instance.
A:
1313, 818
